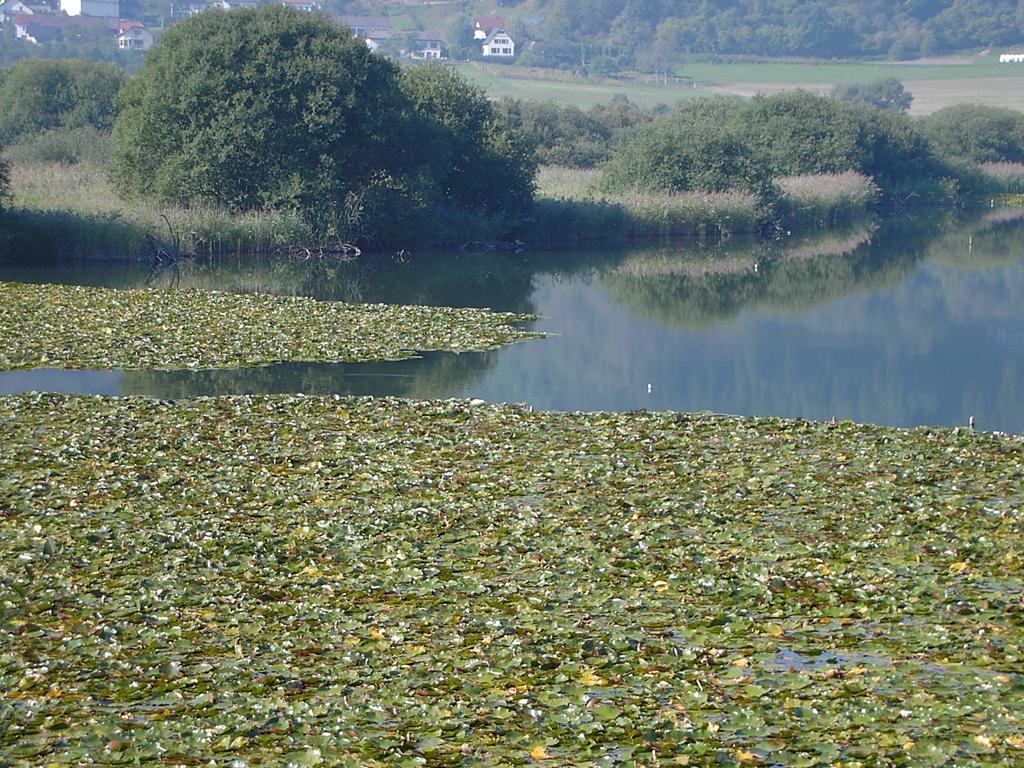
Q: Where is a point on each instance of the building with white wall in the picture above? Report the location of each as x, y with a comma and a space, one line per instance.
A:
106, 9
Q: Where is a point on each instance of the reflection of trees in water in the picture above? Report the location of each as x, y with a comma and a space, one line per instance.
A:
996, 238
436, 374
698, 289
705, 289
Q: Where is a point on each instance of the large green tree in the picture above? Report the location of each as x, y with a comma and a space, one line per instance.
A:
276, 108
258, 108
39, 94
468, 158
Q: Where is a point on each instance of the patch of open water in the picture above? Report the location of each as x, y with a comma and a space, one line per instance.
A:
910, 323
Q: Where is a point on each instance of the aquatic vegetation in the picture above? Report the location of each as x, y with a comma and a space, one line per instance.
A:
82, 327
356, 582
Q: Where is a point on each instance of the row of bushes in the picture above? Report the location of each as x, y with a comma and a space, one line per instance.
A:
261, 110
722, 144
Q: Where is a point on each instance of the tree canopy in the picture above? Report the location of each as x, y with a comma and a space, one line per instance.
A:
719, 144
978, 133
276, 108
885, 93
39, 94
653, 34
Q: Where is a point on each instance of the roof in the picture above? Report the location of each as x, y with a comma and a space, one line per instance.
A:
487, 23
499, 31
59, 21
40, 33
422, 35
124, 26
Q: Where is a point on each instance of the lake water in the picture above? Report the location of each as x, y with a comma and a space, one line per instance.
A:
911, 322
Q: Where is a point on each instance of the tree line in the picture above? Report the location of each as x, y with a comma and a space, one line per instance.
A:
610, 35
276, 109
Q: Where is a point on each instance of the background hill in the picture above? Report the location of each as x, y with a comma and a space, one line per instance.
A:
650, 35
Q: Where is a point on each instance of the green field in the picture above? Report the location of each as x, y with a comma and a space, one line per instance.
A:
934, 85
511, 82
803, 73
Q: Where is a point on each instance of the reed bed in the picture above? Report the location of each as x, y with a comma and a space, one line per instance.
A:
570, 207
1006, 177
73, 210
828, 198
570, 204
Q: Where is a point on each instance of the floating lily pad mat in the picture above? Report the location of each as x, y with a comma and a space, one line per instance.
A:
82, 327
282, 581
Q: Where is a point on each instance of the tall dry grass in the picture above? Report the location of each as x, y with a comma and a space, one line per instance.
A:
73, 210
827, 198
1006, 177
572, 194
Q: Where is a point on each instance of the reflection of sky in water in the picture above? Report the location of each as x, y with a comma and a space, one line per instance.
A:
53, 380
903, 330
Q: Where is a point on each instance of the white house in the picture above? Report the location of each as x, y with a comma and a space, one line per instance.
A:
499, 43
1011, 58
8, 9
429, 46
300, 5
107, 9
133, 36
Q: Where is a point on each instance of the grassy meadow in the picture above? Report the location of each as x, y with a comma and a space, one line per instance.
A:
934, 84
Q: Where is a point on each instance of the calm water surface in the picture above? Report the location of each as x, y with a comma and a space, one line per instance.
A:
908, 323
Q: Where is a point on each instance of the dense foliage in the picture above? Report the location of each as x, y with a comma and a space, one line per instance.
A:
653, 34
274, 108
885, 93
700, 147
978, 133
464, 155
568, 135
721, 144
40, 94
5, 182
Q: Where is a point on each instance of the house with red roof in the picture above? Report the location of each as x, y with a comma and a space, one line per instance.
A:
133, 36
485, 25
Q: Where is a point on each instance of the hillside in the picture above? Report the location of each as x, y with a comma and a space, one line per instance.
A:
651, 35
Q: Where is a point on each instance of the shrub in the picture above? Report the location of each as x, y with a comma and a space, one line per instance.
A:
977, 133
565, 136
696, 147
466, 156
39, 94
66, 146
886, 93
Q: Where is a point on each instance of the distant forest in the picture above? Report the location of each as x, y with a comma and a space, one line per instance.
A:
653, 34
